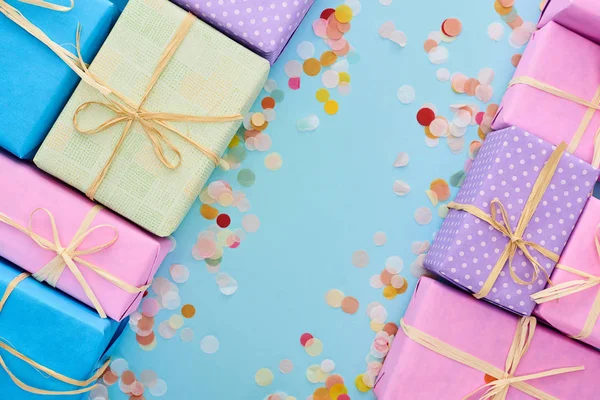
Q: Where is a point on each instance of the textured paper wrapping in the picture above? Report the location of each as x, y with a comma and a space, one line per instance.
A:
414, 372
36, 84
134, 257
264, 26
466, 249
552, 52
209, 75
569, 313
53, 330
580, 16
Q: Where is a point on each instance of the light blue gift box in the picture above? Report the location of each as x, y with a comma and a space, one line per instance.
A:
52, 330
35, 82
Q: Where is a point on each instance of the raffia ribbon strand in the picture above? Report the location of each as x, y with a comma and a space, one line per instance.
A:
127, 112
84, 385
516, 241
498, 389
572, 287
593, 106
70, 255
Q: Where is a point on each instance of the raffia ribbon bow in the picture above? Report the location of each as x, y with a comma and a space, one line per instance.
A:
568, 288
70, 256
516, 241
593, 107
505, 379
84, 385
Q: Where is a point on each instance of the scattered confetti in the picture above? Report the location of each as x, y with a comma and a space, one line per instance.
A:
250, 223
350, 305
264, 377
442, 75
401, 188
406, 94
379, 238
227, 284
452, 27
313, 347
399, 38
305, 338
305, 50
273, 161
334, 298
401, 160
438, 55
179, 273
309, 123
360, 258
286, 366
423, 215
495, 31
209, 344
327, 366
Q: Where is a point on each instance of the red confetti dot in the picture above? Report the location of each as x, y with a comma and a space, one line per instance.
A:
479, 117
223, 220
343, 396
305, 338
425, 116
327, 12
294, 83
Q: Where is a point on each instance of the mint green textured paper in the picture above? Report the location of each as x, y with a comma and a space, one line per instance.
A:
208, 75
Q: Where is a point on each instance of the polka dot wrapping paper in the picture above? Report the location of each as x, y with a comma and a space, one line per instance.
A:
552, 51
264, 26
485, 332
466, 248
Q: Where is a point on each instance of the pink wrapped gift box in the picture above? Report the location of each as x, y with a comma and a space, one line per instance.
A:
412, 371
569, 313
133, 258
580, 16
558, 57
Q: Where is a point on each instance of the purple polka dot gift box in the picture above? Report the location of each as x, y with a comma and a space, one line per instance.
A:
511, 219
264, 26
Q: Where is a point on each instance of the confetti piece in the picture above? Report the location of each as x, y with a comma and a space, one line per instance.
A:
438, 55
286, 366
313, 373
331, 107
293, 69
495, 31
360, 384
375, 282
486, 76
401, 160
452, 27
294, 83
439, 127
305, 50
394, 264
419, 247
273, 161
515, 59
423, 215
386, 29
399, 38
311, 67
441, 189
305, 338
379, 238
159, 389
246, 177
328, 58
209, 344
443, 75
425, 116
343, 13
223, 220
227, 284
350, 305
263, 377
188, 311
250, 223
360, 259
406, 94
208, 212
179, 273
429, 45
327, 366
484, 93
334, 298
309, 123
432, 197
401, 188
378, 314
330, 78
313, 347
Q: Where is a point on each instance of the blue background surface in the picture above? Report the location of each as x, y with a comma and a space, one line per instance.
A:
332, 194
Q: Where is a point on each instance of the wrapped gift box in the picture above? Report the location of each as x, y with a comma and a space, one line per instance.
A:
569, 314
36, 83
133, 258
412, 371
580, 16
53, 330
467, 248
552, 51
208, 75
265, 27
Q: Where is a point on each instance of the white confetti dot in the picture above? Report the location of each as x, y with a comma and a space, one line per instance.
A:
406, 94
394, 264
438, 55
159, 388
305, 50
360, 258
330, 78
179, 273
401, 160
401, 188
495, 31
327, 366
250, 223
386, 29
423, 215
118, 366
209, 344
379, 238
443, 75
399, 38
293, 68
286, 366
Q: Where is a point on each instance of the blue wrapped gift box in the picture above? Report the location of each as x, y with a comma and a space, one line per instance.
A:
36, 83
52, 330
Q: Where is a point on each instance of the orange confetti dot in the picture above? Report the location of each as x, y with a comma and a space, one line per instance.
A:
441, 189
452, 27
208, 212
145, 340
350, 305
321, 393
328, 58
402, 289
429, 45
145, 323
333, 380
514, 60
390, 328
137, 397
500, 9
516, 23
481, 134
109, 377
188, 311
471, 86
268, 102
491, 110
311, 67
386, 277
128, 377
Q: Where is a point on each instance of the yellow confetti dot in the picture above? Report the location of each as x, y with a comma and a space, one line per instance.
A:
208, 212
225, 199
328, 58
403, 288
389, 292
337, 390
343, 14
322, 95
321, 394
234, 141
313, 347
331, 107
376, 327
344, 77
264, 377
500, 9
311, 67
312, 373
432, 196
273, 161
334, 298
176, 321
360, 385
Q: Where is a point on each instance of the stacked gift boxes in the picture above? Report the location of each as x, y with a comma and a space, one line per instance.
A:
140, 134
523, 234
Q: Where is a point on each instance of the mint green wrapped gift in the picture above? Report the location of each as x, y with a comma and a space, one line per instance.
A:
166, 96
